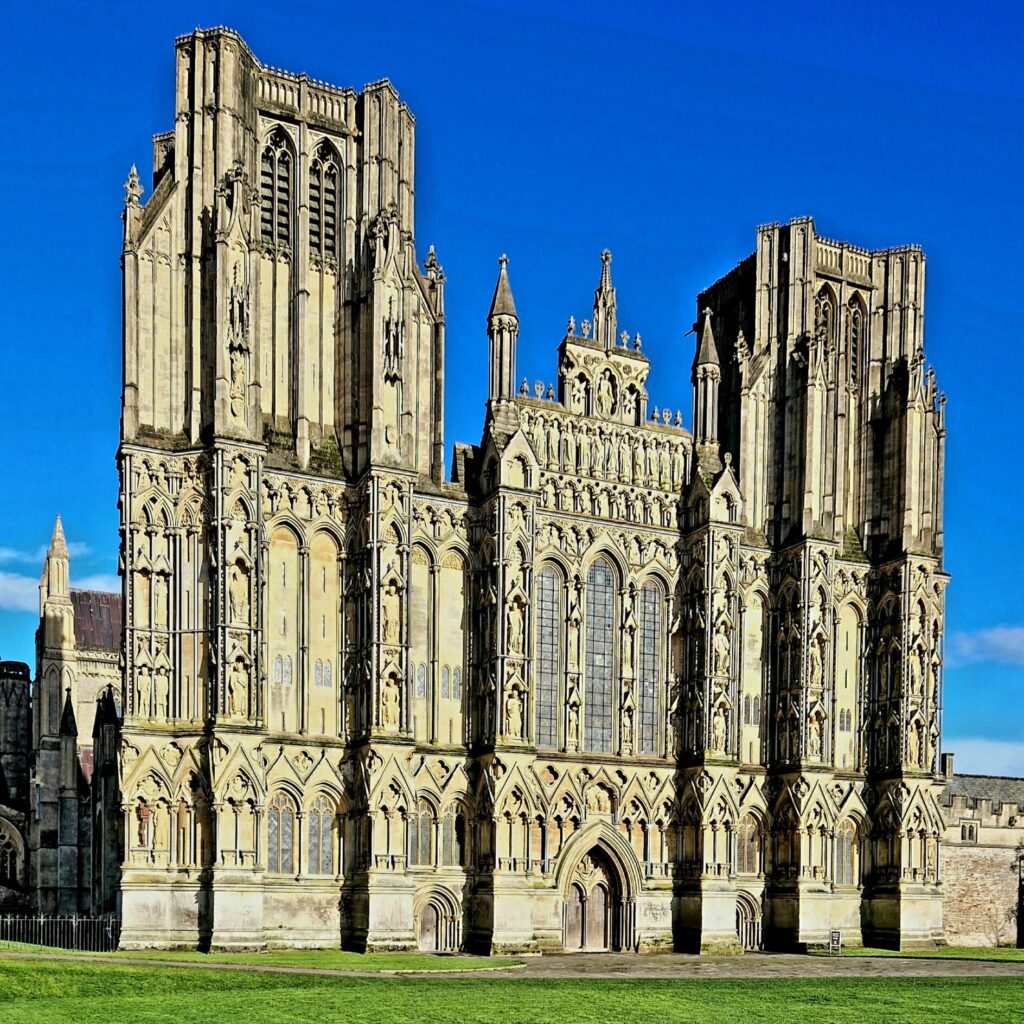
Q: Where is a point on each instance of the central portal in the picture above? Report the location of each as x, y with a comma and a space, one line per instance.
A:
591, 906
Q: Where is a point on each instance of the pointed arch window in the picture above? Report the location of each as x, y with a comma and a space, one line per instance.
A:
650, 666
320, 821
281, 836
600, 633
323, 203
9, 860
855, 320
846, 839
421, 835
548, 644
748, 847
276, 190
825, 315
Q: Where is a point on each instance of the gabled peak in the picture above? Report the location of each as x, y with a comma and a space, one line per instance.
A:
502, 304
58, 545
708, 352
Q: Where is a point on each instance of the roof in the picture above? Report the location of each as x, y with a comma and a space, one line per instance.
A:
97, 620
997, 788
502, 304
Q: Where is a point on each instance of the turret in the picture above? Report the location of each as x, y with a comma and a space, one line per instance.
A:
706, 375
503, 331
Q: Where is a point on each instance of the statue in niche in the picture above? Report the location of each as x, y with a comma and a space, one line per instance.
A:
664, 468
916, 658
914, 746
722, 649
605, 394
516, 623
236, 393
627, 731
578, 393
572, 727
583, 449
628, 644
514, 713
539, 439
718, 729
161, 688
238, 689
815, 736
142, 598
393, 341
553, 442
390, 703
638, 463
143, 687
391, 612
238, 593
817, 666
933, 667
160, 601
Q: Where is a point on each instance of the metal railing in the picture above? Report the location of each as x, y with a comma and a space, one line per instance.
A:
88, 934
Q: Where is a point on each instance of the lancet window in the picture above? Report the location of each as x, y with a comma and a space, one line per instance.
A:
650, 665
600, 659
276, 190
320, 823
548, 645
323, 203
281, 836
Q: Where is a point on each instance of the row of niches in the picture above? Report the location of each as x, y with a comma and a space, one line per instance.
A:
608, 502
561, 444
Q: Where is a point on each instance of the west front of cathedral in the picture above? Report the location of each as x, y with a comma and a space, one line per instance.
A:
609, 684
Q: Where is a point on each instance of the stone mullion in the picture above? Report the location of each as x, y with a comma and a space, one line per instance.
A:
303, 637
433, 647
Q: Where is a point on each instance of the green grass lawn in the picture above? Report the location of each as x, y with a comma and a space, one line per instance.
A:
33, 991
334, 959
1005, 953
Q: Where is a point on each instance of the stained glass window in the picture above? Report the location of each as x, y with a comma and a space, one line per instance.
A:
600, 662
650, 663
548, 643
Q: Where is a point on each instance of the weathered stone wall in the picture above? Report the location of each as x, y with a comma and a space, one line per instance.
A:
980, 895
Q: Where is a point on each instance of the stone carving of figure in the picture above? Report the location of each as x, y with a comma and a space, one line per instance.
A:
553, 443
627, 731
143, 686
237, 388
583, 448
605, 395
572, 728
722, 650
579, 395
916, 658
160, 601
814, 737
514, 713
629, 405
238, 690
914, 753
540, 440
718, 729
628, 636
515, 627
238, 592
390, 703
638, 464
160, 688
664, 468
391, 613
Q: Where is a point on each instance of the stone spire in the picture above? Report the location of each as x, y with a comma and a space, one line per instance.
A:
503, 331
54, 585
605, 321
706, 376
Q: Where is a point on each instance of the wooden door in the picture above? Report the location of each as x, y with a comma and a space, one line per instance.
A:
429, 928
574, 918
597, 918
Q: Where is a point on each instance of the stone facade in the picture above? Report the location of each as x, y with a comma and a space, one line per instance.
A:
613, 684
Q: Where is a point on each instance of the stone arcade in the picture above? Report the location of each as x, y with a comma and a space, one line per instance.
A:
613, 685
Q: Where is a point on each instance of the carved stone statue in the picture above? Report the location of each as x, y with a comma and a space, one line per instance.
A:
718, 729
514, 713
817, 663
814, 736
238, 690
605, 395
516, 619
161, 688
238, 593
391, 613
390, 703
722, 650
572, 727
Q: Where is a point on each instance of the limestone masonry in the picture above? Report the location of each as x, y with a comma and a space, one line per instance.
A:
611, 685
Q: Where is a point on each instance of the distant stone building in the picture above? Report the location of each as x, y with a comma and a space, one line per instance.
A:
612, 685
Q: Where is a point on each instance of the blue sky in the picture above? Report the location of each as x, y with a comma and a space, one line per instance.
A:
664, 132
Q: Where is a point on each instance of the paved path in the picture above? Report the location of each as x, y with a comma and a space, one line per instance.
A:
617, 965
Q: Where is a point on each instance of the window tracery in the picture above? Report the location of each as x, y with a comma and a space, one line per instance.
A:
548, 644
323, 203
650, 664
600, 658
320, 823
276, 190
281, 836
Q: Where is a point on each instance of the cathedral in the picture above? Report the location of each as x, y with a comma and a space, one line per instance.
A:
603, 683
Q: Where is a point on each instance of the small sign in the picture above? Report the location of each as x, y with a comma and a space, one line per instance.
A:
835, 942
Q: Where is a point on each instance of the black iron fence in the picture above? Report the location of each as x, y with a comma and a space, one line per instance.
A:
89, 934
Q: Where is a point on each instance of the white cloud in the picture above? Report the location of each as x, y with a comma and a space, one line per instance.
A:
1003, 644
18, 593
76, 549
98, 581
976, 756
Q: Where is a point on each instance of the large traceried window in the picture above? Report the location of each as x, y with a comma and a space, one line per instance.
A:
846, 841
548, 647
748, 847
323, 203
650, 663
600, 660
281, 836
276, 190
320, 822
421, 835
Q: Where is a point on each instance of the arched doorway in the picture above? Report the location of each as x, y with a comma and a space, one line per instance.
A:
593, 906
748, 923
438, 929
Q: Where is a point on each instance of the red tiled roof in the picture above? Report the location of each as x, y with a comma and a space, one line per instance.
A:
97, 620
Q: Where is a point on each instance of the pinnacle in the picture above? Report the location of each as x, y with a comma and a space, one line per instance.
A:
708, 352
58, 545
503, 304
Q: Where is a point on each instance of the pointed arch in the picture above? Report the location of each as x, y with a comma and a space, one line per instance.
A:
277, 164
325, 180
599, 644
